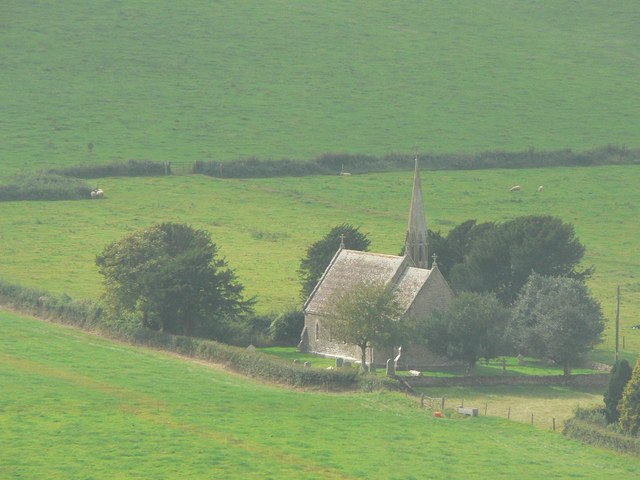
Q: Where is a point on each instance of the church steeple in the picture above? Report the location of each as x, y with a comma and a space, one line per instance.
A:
416, 245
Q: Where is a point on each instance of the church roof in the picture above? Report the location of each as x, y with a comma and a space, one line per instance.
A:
351, 267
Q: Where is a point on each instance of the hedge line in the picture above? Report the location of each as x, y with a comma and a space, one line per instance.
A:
44, 186
335, 163
132, 168
583, 428
90, 316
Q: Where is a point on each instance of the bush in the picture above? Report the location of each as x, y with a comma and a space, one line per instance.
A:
44, 186
588, 426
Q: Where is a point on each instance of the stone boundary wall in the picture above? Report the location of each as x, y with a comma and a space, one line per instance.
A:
586, 380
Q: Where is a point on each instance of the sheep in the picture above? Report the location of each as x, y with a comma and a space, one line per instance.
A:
97, 193
541, 188
515, 188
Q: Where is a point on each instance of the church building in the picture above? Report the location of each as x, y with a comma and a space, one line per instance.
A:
420, 290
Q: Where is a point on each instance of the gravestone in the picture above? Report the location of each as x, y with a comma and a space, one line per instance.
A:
391, 368
339, 362
307, 364
251, 348
346, 364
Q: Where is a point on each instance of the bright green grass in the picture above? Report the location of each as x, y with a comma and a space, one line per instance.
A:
219, 80
74, 406
264, 226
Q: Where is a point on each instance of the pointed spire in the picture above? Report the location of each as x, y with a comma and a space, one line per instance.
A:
341, 242
416, 245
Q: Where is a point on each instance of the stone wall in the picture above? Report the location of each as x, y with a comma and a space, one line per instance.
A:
586, 380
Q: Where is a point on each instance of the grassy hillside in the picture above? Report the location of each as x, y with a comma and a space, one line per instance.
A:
74, 406
221, 80
264, 226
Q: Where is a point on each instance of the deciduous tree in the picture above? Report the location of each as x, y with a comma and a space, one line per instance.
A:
366, 315
170, 277
472, 328
629, 407
556, 318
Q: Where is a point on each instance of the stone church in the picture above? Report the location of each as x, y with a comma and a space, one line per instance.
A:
419, 288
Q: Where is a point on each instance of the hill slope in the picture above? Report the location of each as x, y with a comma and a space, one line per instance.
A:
220, 80
74, 406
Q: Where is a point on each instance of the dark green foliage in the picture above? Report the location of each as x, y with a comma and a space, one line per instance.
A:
556, 318
472, 328
334, 163
132, 168
169, 278
620, 375
319, 254
44, 186
629, 407
589, 426
285, 329
499, 258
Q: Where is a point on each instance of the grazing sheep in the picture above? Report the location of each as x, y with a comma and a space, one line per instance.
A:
97, 193
541, 188
515, 188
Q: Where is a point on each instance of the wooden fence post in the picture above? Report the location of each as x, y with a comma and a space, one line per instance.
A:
422, 400
509, 414
554, 424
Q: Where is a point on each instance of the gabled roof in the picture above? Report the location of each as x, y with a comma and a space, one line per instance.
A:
350, 267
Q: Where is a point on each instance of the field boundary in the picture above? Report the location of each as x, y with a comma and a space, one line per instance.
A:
580, 380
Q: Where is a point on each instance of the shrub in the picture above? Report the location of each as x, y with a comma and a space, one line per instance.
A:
589, 426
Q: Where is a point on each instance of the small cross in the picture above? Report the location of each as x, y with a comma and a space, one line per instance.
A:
342, 240
435, 259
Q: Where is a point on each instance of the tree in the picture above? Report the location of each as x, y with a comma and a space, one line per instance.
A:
500, 257
557, 318
620, 375
285, 328
472, 328
320, 253
629, 407
366, 315
170, 278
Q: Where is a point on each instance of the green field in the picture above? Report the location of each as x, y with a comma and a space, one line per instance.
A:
264, 226
74, 406
222, 80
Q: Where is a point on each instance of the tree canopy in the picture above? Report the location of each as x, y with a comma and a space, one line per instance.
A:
620, 375
556, 318
366, 315
499, 258
170, 278
629, 407
320, 253
472, 328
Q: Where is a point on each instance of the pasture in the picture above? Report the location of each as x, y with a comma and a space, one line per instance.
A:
263, 226
80, 407
103, 81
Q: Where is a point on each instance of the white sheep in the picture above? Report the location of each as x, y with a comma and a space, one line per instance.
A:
541, 188
97, 193
515, 188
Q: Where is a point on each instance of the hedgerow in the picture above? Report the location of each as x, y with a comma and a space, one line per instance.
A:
334, 163
590, 426
90, 316
44, 186
132, 168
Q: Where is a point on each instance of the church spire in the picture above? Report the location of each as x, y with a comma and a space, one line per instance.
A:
416, 242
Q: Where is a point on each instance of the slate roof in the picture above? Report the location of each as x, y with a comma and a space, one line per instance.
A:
350, 267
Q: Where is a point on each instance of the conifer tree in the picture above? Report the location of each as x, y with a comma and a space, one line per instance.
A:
620, 375
629, 407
